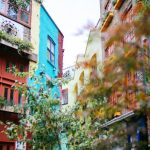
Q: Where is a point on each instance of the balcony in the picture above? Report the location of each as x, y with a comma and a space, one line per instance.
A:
107, 20
14, 43
117, 3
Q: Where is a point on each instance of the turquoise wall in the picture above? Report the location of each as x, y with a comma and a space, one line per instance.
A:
48, 28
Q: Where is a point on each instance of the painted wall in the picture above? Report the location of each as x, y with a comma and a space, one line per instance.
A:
93, 48
49, 28
60, 55
35, 25
35, 32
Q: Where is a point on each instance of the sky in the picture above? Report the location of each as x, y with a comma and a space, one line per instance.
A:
73, 17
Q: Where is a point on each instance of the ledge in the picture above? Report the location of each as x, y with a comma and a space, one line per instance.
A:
107, 22
117, 119
31, 56
118, 4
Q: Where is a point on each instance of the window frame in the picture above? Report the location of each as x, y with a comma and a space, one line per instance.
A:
5, 13
50, 53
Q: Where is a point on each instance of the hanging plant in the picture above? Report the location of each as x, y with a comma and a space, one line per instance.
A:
22, 45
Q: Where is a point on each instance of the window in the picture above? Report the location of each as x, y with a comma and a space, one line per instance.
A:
64, 96
10, 67
11, 97
1, 147
8, 147
2, 5
20, 14
51, 51
13, 69
6, 93
12, 11
20, 99
7, 67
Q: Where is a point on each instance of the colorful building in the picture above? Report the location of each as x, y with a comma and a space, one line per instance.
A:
113, 13
81, 74
15, 32
31, 24
50, 54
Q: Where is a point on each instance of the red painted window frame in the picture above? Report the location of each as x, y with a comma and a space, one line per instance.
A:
18, 14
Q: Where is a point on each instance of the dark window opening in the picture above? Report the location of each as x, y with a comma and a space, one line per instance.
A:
6, 93
11, 97
8, 147
1, 147
7, 67
20, 99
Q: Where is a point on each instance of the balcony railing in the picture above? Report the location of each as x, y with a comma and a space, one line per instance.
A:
107, 21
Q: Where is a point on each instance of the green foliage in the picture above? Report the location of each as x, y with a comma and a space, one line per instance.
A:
24, 3
43, 119
2, 101
22, 45
83, 123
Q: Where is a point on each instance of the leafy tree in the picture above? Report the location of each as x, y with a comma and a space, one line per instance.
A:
83, 124
95, 99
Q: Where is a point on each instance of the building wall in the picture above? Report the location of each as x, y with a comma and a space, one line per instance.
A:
9, 55
60, 54
48, 28
125, 13
35, 32
93, 48
7, 78
35, 26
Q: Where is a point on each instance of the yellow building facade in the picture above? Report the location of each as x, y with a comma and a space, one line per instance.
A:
93, 54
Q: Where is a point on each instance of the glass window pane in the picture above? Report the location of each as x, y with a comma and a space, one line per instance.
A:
52, 59
20, 99
11, 96
24, 17
2, 6
6, 93
52, 48
48, 43
26, 6
12, 11
48, 55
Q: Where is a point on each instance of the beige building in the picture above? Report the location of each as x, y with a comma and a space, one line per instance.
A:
82, 74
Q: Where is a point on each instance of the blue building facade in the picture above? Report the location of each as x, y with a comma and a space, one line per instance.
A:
48, 56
